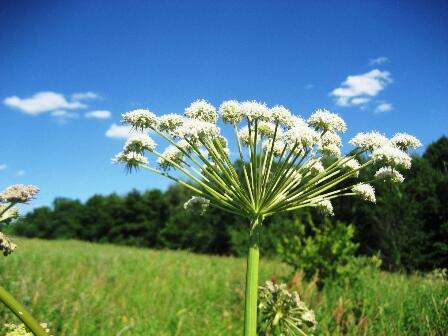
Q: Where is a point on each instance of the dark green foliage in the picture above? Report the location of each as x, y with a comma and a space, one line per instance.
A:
408, 227
326, 251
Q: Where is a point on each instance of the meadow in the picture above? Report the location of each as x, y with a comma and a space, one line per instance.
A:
97, 289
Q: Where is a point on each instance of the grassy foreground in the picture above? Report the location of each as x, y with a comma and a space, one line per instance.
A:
90, 289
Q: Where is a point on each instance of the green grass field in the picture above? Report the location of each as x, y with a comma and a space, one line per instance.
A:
91, 289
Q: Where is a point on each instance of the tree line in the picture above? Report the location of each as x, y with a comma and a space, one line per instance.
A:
407, 228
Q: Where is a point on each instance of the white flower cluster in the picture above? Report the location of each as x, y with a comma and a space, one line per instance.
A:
139, 143
171, 156
281, 114
266, 129
131, 159
280, 141
140, 119
314, 166
405, 141
21, 330
197, 204
294, 121
18, 193
201, 110
243, 136
369, 141
391, 156
302, 136
325, 207
365, 191
253, 110
282, 312
389, 174
6, 245
277, 150
330, 144
231, 112
327, 121
170, 122
197, 129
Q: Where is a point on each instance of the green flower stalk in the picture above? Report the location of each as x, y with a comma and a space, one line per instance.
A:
9, 198
288, 163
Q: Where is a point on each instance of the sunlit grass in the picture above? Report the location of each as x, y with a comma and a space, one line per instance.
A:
91, 289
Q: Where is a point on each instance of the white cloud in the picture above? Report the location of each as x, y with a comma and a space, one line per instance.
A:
356, 89
63, 116
117, 131
383, 107
360, 101
42, 102
20, 173
309, 86
98, 114
379, 60
3, 166
121, 132
85, 95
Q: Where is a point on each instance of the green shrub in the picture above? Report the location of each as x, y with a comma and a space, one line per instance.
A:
327, 250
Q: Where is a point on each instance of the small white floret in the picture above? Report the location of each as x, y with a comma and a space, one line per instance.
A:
170, 157
281, 115
231, 112
389, 174
392, 156
253, 110
170, 122
301, 135
365, 191
197, 204
140, 119
201, 110
405, 141
326, 207
369, 141
138, 143
327, 121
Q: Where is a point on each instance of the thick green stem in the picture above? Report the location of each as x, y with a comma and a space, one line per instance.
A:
250, 309
21, 313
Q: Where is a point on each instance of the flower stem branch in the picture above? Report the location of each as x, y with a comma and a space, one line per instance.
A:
20, 311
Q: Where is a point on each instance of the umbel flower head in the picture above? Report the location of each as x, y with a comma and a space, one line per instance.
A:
288, 162
12, 195
282, 312
18, 193
21, 330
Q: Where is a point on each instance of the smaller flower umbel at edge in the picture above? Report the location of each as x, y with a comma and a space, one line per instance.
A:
9, 198
288, 163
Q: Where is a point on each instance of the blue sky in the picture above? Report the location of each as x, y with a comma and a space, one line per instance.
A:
382, 65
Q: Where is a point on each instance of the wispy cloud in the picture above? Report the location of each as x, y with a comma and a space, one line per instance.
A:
358, 89
383, 107
121, 132
85, 95
117, 131
98, 114
20, 173
360, 101
3, 166
379, 60
42, 102
309, 86
63, 116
